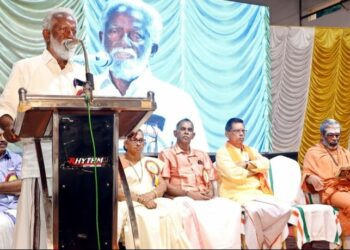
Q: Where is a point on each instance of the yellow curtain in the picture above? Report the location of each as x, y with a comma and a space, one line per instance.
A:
329, 93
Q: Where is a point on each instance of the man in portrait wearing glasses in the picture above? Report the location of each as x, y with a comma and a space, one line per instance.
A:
242, 175
326, 170
130, 34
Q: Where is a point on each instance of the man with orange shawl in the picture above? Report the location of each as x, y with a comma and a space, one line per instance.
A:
243, 178
326, 170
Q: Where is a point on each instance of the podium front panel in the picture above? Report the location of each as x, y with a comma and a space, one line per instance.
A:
77, 196
65, 119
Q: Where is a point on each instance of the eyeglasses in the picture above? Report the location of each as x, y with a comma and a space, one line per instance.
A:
331, 135
238, 131
135, 140
133, 35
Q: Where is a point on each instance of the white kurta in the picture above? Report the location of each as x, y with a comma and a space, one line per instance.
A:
173, 104
39, 75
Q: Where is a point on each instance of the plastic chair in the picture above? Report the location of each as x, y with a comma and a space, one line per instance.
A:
311, 222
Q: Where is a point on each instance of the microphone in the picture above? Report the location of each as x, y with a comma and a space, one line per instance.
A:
100, 59
88, 85
71, 43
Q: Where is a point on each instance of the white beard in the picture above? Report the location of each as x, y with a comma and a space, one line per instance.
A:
331, 146
61, 50
130, 68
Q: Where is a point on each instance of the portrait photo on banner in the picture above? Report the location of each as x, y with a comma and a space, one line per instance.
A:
204, 60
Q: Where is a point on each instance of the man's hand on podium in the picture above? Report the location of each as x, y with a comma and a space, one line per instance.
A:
6, 124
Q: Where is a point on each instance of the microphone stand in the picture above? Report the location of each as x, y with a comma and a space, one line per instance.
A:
88, 85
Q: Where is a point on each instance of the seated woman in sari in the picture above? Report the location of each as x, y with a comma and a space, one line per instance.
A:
158, 219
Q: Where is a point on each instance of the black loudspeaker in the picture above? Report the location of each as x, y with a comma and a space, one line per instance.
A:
77, 220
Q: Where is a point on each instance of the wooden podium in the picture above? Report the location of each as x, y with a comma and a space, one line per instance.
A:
82, 210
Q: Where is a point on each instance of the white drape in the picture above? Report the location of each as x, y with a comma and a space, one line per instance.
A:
291, 57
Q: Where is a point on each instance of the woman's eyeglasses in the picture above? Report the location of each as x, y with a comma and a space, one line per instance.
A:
135, 140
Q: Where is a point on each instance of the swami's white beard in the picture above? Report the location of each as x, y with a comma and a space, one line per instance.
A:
127, 68
61, 50
330, 145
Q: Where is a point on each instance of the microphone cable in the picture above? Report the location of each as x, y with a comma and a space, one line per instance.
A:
89, 86
87, 101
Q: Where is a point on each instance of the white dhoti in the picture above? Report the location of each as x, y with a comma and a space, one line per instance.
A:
159, 228
266, 223
7, 225
211, 224
25, 222
24, 229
